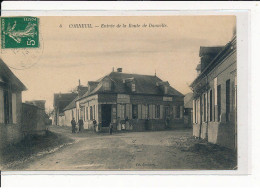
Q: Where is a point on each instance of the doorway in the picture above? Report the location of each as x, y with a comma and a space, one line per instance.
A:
106, 114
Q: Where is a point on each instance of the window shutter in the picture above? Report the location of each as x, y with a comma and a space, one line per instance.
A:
174, 111
181, 112
127, 110
153, 111
150, 111
143, 111
161, 111
130, 111
139, 111
118, 110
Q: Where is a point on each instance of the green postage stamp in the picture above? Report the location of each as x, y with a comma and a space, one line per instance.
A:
19, 32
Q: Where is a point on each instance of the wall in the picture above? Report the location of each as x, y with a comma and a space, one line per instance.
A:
10, 133
68, 116
216, 131
33, 118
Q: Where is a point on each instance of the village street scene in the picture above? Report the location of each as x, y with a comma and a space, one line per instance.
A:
160, 115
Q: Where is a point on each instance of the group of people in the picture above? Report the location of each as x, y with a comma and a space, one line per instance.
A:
81, 126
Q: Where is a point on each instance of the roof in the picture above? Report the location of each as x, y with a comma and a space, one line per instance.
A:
188, 100
225, 51
61, 100
72, 104
8, 76
144, 84
212, 50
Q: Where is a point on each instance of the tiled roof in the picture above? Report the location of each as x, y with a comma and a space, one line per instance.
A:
61, 100
144, 84
213, 50
72, 104
9, 77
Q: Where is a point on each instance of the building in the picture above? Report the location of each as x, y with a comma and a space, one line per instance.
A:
215, 95
69, 111
188, 114
34, 118
10, 106
131, 102
61, 100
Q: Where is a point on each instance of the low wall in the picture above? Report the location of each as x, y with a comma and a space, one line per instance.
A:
33, 118
9, 134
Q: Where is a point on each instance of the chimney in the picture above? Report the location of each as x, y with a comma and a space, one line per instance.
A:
119, 70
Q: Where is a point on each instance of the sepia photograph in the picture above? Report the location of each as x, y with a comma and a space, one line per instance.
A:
118, 93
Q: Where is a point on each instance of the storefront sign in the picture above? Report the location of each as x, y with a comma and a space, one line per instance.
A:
123, 98
167, 99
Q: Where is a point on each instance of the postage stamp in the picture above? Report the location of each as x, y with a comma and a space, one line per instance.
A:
19, 32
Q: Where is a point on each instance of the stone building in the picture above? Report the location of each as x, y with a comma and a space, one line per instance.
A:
130, 102
215, 95
10, 106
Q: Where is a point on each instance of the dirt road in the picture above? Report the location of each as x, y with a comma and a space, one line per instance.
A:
166, 150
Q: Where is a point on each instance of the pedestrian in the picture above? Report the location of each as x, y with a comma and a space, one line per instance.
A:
81, 124
167, 122
111, 128
73, 125
95, 124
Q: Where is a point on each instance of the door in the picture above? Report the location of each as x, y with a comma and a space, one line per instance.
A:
106, 114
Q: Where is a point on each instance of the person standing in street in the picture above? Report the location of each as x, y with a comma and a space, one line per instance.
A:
81, 124
95, 125
73, 125
111, 128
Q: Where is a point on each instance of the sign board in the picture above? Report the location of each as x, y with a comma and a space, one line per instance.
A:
123, 98
167, 99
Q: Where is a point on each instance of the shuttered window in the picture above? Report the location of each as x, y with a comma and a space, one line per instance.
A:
157, 111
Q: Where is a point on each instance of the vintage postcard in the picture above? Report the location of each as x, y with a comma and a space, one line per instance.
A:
115, 93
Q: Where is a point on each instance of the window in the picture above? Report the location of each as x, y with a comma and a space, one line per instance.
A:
91, 113
166, 88
177, 112
210, 105
157, 111
219, 101
133, 87
72, 114
135, 111
227, 100
106, 85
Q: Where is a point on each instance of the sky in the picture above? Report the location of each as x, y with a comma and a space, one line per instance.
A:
68, 54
